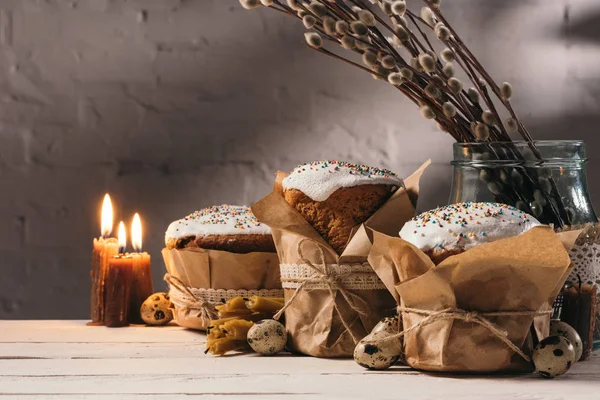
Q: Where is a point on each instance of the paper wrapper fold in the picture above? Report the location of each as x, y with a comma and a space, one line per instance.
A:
314, 319
522, 273
227, 273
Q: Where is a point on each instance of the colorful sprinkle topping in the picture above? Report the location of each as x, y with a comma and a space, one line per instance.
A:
218, 220
240, 216
356, 169
467, 224
320, 179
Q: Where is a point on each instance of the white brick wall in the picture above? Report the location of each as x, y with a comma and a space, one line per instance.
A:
173, 105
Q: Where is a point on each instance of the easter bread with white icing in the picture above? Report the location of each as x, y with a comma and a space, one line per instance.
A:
336, 196
455, 228
225, 227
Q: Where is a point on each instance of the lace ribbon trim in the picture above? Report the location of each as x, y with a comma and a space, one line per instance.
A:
350, 276
219, 296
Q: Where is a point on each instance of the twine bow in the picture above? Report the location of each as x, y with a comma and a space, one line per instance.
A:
472, 317
325, 273
184, 298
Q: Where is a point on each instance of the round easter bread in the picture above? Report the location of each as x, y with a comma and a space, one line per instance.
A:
336, 196
452, 229
226, 227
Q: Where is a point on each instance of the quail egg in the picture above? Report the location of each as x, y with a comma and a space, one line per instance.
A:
565, 330
387, 325
553, 356
157, 309
377, 350
267, 337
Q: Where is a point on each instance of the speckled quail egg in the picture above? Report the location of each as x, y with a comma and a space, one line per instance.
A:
565, 330
553, 356
267, 337
157, 309
387, 325
376, 351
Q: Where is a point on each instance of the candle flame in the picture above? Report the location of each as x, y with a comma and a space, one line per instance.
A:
122, 237
106, 220
136, 233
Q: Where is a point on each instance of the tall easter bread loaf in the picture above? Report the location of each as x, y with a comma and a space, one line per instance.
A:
228, 228
335, 196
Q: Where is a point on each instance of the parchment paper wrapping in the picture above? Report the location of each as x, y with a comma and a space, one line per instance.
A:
228, 273
314, 319
522, 273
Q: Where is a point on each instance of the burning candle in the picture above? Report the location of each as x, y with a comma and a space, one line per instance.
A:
118, 284
105, 248
141, 285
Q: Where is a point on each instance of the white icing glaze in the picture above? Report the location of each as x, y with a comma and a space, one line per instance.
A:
319, 180
217, 220
465, 225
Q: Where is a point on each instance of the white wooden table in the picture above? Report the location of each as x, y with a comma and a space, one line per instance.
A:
67, 360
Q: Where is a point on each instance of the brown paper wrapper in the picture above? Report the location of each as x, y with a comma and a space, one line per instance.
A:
313, 318
522, 273
214, 269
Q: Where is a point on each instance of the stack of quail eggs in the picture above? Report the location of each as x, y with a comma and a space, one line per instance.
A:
554, 355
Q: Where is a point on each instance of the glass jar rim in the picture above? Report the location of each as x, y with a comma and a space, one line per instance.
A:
522, 142
566, 153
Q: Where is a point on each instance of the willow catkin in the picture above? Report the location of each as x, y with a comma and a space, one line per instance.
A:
448, 70
449, 109
427, 112
512, 125
506, 91
481, 131
317, 8
455, 85
414, 62
363, 42
442, 32
488, 117
293, 4
309, 21
366, 17
342, 27
427, 62
473, 94
313, 39
407, 73
401, 33
348, 42
447, 55
428, 17
369, 58
250, 4
359, 28
380, 73
395, 78
399, 7
386, 8
388, 62
433, 91
267, 3
329, 25
435, 3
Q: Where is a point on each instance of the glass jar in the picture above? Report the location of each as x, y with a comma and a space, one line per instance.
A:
548, 180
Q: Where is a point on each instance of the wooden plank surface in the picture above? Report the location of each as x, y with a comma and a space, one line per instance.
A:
66, 359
